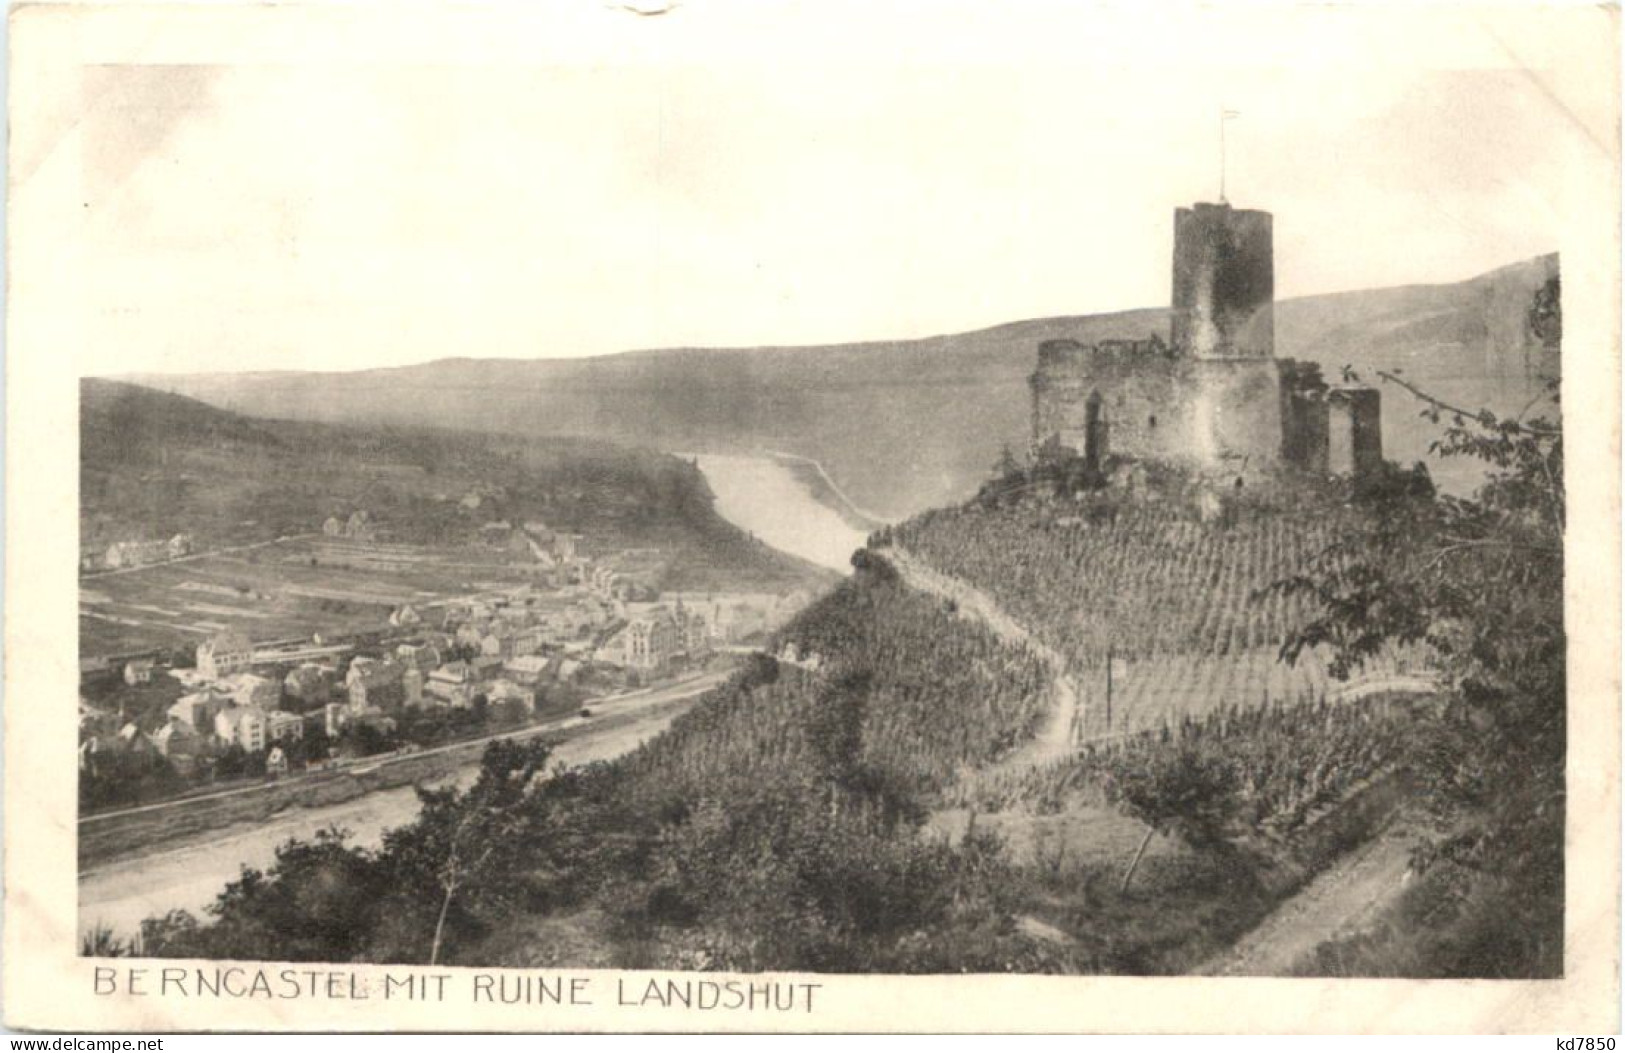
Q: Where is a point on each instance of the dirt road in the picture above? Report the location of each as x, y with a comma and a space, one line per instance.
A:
1342, 901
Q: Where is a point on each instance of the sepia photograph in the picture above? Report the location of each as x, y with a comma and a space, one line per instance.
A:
715, 506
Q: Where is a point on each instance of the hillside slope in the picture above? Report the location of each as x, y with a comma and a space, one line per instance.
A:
905, 425
154, 464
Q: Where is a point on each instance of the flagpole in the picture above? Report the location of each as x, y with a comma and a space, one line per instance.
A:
1224, 160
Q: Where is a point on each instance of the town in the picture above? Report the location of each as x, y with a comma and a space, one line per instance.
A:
570, 624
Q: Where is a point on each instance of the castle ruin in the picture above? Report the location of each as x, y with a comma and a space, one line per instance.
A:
1213, 394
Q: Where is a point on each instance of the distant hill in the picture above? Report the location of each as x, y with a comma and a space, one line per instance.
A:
906, 424
155, 464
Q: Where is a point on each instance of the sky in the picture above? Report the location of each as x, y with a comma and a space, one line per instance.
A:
586, 180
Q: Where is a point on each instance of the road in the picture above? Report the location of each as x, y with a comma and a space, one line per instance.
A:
91, 575
191, 873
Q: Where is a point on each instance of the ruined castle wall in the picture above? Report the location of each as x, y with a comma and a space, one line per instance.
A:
1161, 405
1354, 430
1145, 394
1303, 416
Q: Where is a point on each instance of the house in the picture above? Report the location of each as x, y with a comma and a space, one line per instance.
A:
483, 666
693, 631
334, 527
130, 739
224, 653
498, 644
284, 727
527, 669
377, 686
508, 691
359, 526
178, 546
138, 672
460, 696
451, 683
422, 657
334, 716
180, 744
412, 686
310, 683
651, 639
453, 673
198, 709
243, 726
359, 665
276, 762
93, 721
404, 617
528, 641
135, 553
248, 689
172, 735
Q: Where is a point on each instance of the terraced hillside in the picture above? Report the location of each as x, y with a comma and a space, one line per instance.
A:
892, 682
1162, 609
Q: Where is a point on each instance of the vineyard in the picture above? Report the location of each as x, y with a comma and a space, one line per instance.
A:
1277, 763
904, 689
1182, 608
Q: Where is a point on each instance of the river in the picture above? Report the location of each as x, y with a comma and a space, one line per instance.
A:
189, 874
763, 497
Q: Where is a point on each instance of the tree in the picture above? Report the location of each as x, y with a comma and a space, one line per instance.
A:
1546, 314
1007, 465
318, 902
1180, 792
467, 843
1480, 582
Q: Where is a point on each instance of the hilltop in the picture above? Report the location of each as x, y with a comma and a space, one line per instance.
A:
903, 425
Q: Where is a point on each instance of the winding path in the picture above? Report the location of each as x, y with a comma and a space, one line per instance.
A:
1343, 900
1055, 738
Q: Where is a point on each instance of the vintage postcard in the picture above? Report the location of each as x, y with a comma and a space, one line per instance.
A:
711, 516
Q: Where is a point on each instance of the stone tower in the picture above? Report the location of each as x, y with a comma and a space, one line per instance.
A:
1224, 282
1215, 396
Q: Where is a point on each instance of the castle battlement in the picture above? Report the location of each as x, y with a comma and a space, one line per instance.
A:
1061, 353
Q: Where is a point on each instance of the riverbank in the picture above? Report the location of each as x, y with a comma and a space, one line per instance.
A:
148, 863
774, 501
